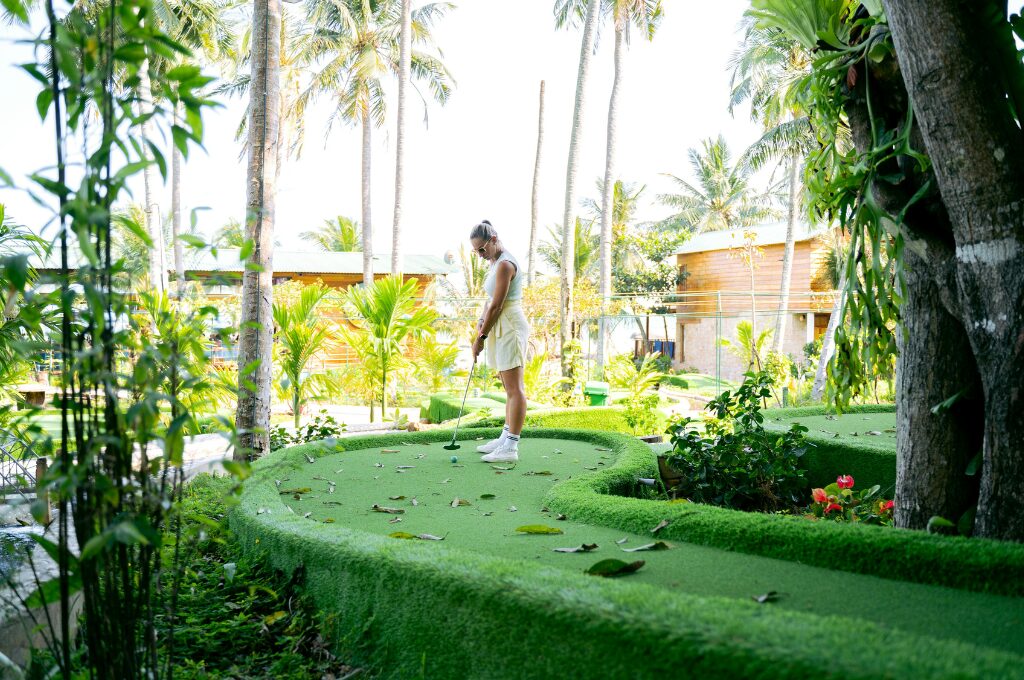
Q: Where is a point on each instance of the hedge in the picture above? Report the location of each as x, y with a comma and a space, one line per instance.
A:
446, 407
821, 410
415, 609
675, 381
600, 418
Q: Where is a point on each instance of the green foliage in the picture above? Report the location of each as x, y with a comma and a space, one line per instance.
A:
641, 413
323, 426
675, 381
434, 362
587, 248
838, 502
745, 346
338, 235
735, 462
636, 378
571, 392
445, 407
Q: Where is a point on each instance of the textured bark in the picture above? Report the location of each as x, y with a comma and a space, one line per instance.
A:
977, 152
179, 254
569, 221
404, 66
828, 345
607, 198
153, 228
367, 223
257, 327
787, 255
535, 195
933, 448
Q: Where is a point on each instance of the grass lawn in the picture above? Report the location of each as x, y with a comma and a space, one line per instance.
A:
877, 429
488, 525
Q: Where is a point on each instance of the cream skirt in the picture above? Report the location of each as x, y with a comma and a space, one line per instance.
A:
506, 343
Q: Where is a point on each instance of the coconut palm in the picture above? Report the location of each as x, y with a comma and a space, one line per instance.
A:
569, 12
230, 235
721, 198
769, 69
434, 361
404, 69
746, 346
338, 235
646, 16
358, 44
625, 203
301, 335
531, 253
585, 249
385, 317
474, 271
256, 334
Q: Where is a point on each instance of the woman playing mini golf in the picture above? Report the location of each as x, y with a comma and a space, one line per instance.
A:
504, 330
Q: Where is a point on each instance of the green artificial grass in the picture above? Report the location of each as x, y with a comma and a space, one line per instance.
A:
446, 407
691, 603
860, 442
599, 418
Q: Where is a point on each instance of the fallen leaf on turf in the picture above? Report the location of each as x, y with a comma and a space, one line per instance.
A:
430, 537
874, 433
396, 498
306, 516
658, 545
487, 496
328, 521
830, 417
503, 469
277, 483
24, 523
532, 473
512, 508
560, 516
622, 540
378, 465
332, 502
488, 514
405, 467
414, 502
389, 450
271, 619
661, 525
445, 481
309, 458
297, 497
394, 520
456, 502
586, 547
304, 489
322, 479
390, 511
558, 451
600, 449
338, 471
538, 529
614, 567
586, 467
401, 534
770, 596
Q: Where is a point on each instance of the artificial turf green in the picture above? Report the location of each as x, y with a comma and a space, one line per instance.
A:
367, 477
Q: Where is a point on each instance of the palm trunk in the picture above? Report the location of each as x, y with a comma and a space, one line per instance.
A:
607, 206
568, 221
367, 224
149, 180
384, 395
405, 65
828, 343
256, 332
296, 406
179, 255
787, 257
532, 252
753, 318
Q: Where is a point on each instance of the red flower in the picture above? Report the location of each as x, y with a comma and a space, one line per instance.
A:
887, 505
819, 495
833, 506
844, 482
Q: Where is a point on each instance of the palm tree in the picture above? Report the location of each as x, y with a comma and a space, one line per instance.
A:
474, 271
568, 12
230, 235
385, 316
769, 69
301, 335
646, 15
338, 235
585, 249
722, 197
256, 332
404, 68
625, 203
359, 42
434, 360
531, 253
746, 346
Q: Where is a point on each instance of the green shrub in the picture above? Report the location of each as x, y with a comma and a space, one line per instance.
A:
734, 461
601, 418
446, 407
675, 381
323, 426
641, 414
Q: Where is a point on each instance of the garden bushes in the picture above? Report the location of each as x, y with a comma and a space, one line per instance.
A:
601, 418
446, 407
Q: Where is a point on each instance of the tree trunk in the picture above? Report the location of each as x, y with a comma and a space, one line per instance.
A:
256, 332
296, 406
153, 227
179, 255
828, 343
955, 82
933, 449
607, 199
569, 222
753, 314
787, 256
384, 396
532, 252
404, 66
367, 224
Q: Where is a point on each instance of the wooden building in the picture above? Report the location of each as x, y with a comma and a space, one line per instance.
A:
721, 289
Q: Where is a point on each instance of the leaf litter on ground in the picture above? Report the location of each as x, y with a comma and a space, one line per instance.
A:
657, 545
661, 525
586, 547
614, 567
390, 511
538, 529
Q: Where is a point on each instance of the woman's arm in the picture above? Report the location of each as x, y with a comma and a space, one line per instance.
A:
502, 281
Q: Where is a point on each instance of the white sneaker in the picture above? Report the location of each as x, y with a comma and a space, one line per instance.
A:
502, 454
492, 445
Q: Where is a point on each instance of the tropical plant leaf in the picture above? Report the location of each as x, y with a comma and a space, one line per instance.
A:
614, 567
538, 529
586, 547
657, 545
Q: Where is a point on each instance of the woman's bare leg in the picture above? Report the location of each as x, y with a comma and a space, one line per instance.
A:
515, 405
505, 387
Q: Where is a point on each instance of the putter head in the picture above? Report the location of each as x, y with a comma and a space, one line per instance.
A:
452, 447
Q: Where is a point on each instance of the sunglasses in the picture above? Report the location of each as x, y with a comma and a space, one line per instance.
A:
481, 249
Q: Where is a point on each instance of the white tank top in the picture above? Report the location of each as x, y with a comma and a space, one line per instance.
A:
515, 287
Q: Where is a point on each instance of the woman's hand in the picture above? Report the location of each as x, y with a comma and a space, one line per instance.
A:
478, 346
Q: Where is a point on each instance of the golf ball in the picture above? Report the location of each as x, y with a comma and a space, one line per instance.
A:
455, 459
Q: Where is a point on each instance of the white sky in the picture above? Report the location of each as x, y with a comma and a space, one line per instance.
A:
476, 159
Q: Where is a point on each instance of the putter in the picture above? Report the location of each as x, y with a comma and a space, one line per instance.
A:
453, 446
